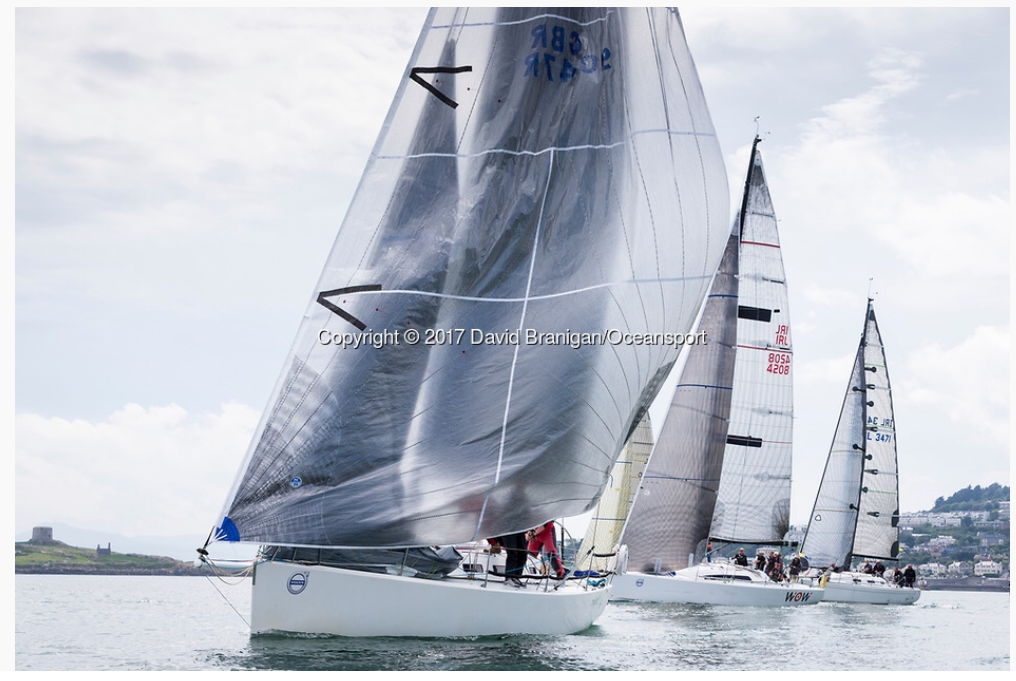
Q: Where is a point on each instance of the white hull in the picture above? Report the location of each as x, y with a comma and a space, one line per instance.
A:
313, 599
857, 587
712, 584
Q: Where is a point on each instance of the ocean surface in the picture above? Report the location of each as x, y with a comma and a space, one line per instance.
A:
194, 623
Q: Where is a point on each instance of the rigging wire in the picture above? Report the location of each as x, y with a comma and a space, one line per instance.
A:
220, 576
212, 582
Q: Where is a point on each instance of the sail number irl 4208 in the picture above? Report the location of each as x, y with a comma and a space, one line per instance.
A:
559, 55
779, 363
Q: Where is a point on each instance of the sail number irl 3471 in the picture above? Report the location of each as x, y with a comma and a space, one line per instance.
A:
559, 55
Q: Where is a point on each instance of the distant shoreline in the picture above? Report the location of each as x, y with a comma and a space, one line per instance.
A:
182, 571
56, 558
966, 584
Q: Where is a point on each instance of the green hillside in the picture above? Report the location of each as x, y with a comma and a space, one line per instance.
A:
975, 498
54, 558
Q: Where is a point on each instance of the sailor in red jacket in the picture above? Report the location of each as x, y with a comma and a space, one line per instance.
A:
542, 536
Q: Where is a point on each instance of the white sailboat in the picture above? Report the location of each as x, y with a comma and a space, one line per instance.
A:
721, 467
857, 511
496, 315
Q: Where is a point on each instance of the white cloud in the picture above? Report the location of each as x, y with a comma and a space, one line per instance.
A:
962, 93
188, 115
860, 116
824, 372
951, 234
140, 472
967, 383
832, 298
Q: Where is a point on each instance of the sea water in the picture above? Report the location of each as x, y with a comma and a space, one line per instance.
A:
198, 623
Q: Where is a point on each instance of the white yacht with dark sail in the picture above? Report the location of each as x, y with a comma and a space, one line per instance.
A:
857, 510
547, 182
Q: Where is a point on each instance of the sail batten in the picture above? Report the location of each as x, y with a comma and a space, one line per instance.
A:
537, 172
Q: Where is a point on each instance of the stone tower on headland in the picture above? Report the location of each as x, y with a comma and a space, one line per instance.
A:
42, 535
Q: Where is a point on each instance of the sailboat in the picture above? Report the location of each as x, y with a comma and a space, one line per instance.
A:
857, 511
721, 467
537, 222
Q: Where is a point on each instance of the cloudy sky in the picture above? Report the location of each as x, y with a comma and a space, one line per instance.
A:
181, 174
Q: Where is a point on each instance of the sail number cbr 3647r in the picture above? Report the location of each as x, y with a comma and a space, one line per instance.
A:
559, 55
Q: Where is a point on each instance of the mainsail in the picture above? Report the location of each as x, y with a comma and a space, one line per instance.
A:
856, 512
546, 194
753, 501
675, 506
603, 534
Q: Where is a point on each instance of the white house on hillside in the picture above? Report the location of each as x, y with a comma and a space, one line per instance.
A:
987, 568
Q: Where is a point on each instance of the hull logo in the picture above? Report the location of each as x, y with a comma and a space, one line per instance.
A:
639, 582
297, 583
798, 596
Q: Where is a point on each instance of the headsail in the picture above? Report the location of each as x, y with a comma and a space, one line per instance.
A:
675, 507
856, 512
753, 501
603, 534
547, 184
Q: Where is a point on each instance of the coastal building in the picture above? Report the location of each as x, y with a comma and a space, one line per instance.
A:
42, 534
987, 568
939, 544
985, 540
959, 568
955, 519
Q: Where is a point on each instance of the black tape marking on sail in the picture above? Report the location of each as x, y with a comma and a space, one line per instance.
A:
323, 295
414, 74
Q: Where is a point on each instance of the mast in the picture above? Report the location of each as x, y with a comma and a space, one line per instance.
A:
753, 500
747, 186
876, 532
862, 388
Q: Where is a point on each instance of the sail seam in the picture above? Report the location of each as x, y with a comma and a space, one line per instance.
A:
540, 152
674, 477
545, 296
547, 15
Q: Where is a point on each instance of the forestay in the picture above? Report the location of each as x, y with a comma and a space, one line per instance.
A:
540, 175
